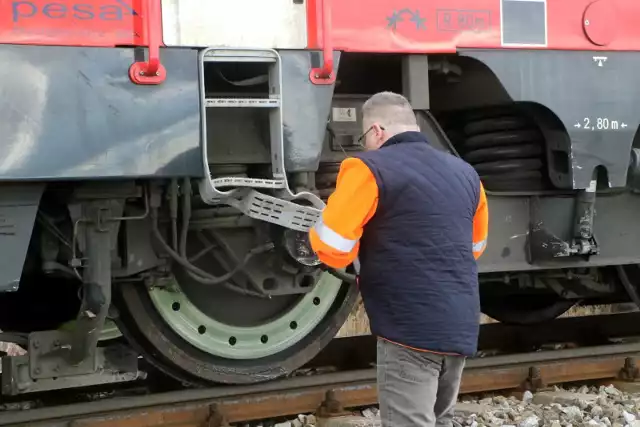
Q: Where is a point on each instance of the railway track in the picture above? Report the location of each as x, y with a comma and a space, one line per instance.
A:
330, 392
350, 387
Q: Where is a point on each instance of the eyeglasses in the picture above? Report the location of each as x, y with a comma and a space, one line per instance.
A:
364, 135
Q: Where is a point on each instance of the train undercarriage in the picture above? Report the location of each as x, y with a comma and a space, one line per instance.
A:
212, 280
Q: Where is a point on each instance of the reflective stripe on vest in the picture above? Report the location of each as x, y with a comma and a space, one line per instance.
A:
333, 239
477, 247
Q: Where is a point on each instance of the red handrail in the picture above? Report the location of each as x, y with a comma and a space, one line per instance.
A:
325, 74
151, 72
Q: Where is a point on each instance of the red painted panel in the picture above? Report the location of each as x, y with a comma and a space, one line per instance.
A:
73, 22
445, 25
357, 25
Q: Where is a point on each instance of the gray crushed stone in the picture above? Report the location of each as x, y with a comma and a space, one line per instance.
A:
604, 406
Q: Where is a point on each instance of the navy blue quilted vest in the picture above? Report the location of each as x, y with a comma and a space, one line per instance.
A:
418, 276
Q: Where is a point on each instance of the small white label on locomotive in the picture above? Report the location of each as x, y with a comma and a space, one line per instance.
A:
344, 115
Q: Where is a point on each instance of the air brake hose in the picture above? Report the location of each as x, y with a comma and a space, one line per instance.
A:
342, 275
205, 277
199, 275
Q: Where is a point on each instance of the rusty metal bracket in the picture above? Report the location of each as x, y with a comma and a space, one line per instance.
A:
534, 381
630, 371
216, 417
330, 406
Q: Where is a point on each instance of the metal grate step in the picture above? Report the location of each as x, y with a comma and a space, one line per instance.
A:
277, 211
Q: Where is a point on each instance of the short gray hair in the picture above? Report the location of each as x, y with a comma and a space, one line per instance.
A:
391, 110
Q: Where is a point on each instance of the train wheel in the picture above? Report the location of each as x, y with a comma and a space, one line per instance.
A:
203, 333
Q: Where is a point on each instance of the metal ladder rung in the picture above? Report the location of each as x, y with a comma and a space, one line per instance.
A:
236, 181
238, 56
243, 102
239, 59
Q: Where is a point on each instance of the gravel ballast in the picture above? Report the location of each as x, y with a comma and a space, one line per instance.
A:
604, 406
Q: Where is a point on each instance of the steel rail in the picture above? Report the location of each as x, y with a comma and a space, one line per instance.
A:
352, 389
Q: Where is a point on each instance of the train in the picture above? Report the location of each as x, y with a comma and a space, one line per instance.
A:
162, 161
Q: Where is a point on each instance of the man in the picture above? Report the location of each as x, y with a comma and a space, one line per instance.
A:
416, 219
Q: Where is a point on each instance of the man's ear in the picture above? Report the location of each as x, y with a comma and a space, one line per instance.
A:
378, 133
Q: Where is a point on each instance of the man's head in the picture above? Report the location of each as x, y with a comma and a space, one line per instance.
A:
384, 115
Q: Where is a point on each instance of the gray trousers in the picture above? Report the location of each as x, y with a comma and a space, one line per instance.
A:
416, 389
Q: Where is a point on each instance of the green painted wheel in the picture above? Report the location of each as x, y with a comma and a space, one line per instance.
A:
201, 333
245, 342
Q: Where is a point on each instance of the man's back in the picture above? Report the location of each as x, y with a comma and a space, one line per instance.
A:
418, 219
418, 271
